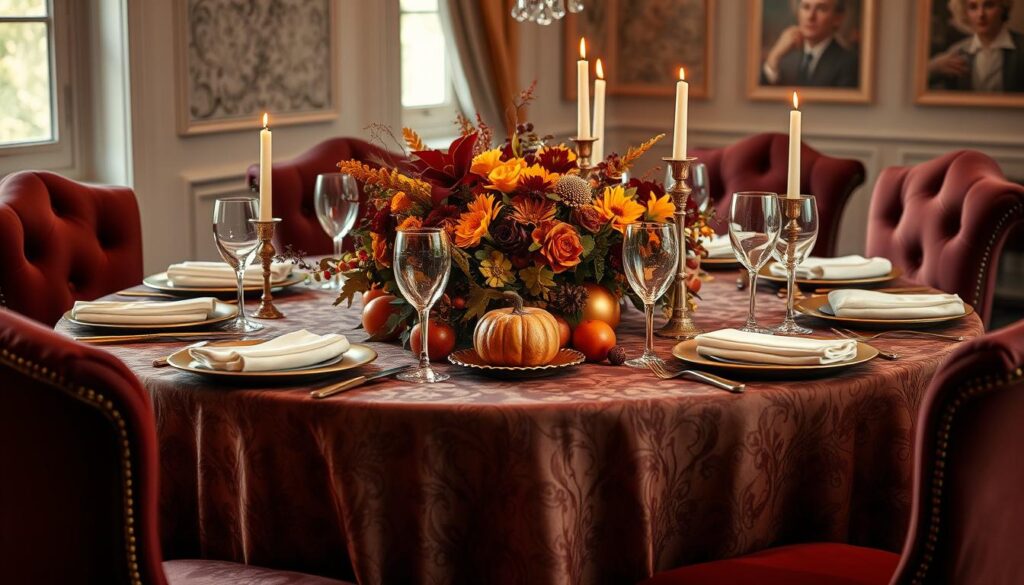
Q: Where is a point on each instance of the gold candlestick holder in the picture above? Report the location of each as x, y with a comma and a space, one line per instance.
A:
680, 323
265, 233
584, 150
793, 208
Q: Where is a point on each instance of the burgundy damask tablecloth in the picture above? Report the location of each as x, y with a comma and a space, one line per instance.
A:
603, 474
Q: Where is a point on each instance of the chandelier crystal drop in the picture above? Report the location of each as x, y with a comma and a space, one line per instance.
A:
544, 11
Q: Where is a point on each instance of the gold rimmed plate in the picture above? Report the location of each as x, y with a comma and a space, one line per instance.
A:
470, 359
160, 281
221, 312
895, 273
357, 355
719, 263
818, 307
686, 351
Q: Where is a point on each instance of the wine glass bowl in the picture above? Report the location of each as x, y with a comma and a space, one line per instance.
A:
650, 256
754, 224
336, 200
237, 241
797, 236
422, 262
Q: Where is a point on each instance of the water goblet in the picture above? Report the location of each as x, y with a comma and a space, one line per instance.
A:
422, 262
650, 256
699, 191
754, 224
235, 235
796, 238
336, 199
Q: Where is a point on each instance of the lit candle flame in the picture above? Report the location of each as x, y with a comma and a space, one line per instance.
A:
682, 74
600, 70
796, 101
265, 119
583, 48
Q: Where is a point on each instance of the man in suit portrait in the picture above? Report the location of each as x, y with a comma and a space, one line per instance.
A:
808, 53
990, 59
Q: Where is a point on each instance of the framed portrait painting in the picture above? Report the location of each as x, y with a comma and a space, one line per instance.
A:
642, 44
822, 48
970, 53
236, 60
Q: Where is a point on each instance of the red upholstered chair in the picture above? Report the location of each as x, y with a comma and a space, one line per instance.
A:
761, 163
62, 241
967, 521
79, 458
294, 181
945, 221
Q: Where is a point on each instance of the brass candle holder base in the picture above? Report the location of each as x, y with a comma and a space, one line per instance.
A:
680, 323
265, 233
584, 150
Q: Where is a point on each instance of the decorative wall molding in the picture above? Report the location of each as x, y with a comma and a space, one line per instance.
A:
202, 190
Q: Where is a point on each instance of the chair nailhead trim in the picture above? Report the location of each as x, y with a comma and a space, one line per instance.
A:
988, 250
107, 408
973, 388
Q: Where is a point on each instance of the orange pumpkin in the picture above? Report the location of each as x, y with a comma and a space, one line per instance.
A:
517, 335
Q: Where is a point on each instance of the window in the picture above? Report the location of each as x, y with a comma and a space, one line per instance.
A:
27, 73
428, 96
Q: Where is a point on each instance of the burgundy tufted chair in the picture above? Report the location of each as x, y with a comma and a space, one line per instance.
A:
78, 448
967, 521
945, 222
761, 163
62, 241
294, 181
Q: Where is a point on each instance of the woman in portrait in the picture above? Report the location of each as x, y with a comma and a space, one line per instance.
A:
990, 59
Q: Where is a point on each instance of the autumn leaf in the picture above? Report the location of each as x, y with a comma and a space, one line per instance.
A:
538, 280
355, 281
413, 140
635, 152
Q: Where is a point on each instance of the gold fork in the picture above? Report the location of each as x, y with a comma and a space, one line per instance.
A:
889, 355
911, 332
659, 369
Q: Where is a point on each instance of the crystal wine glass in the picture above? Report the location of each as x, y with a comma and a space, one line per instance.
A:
700, 192
336, 199
235, 235
422, 262
650, 255
796, 238
754, 223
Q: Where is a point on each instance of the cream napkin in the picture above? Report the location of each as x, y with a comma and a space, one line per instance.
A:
291, 350
844, 267
758, 348
220, 274
870, 304
144, 312
719, 246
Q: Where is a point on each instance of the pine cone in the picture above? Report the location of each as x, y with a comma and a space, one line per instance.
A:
574, 191
569, 299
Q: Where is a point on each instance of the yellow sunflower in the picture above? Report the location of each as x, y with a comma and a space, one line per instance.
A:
614, 205
660, 208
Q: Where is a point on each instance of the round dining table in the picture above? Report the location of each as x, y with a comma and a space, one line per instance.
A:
596, 474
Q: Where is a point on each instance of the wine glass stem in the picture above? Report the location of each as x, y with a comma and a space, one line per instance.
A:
424, 323
240, 279
790, 285
338, 239
751, 321
649, 314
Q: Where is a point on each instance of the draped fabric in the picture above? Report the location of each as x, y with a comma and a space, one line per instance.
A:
483, 42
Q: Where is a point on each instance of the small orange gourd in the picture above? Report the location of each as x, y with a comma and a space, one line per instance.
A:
516, 335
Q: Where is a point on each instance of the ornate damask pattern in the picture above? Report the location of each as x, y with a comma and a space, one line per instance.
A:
249, 56
602, 475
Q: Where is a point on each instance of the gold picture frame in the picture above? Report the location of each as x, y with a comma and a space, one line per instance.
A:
939, 34
632, 65
856, 34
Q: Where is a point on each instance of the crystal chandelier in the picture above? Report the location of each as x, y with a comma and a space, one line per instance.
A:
544, 11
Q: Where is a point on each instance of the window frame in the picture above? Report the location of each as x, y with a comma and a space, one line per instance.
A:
57, 152
435, 120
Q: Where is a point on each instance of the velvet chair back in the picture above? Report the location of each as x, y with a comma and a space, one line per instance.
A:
967, 521
761, 163
62, 241
294, 182
945, 222
78, 448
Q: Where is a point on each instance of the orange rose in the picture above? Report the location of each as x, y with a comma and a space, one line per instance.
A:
559, 244
505, 177
379, 245
485, 162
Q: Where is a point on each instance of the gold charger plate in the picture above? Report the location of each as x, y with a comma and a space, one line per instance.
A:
160, 282
221, 312
357, 355
719, 263
812, 306
687, 351
895, 273
469, 358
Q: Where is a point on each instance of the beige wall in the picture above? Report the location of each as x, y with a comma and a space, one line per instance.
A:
892, 131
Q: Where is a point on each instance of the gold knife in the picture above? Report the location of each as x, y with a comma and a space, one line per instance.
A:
187, 335
353, 382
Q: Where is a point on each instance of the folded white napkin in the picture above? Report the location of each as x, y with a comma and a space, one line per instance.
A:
220, 274
144, 312
719, 246
870, 304
844, 267
758, 348
291, 350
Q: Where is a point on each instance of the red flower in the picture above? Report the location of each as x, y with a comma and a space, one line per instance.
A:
446, 170
644, 189
557, 159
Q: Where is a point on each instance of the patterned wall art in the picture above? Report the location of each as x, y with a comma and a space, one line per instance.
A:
239, 58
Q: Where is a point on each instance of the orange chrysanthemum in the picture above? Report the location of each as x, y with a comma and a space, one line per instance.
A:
485, 203
471, 227
615, 206
400, 202
532, 210
486, 161
660, 208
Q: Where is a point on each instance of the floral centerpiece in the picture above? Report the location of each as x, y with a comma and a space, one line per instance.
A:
520, 216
